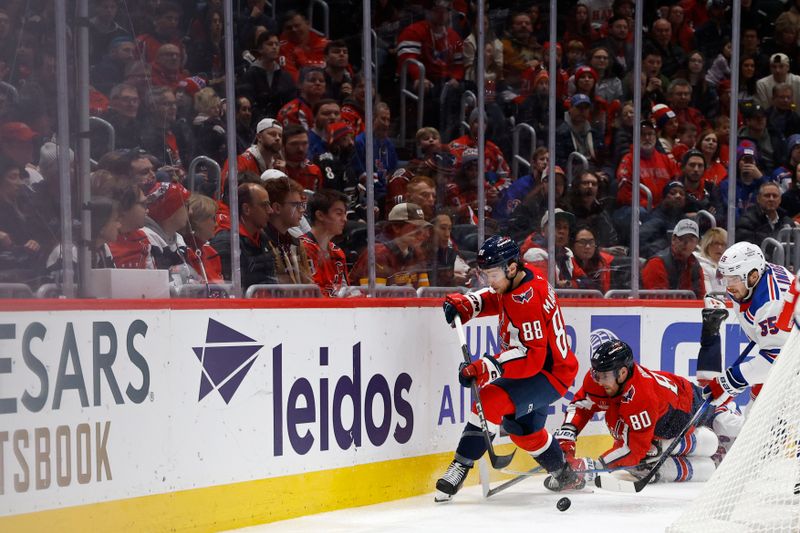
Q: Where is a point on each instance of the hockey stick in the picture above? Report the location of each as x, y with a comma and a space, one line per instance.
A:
538, 469
622, 485
498, 461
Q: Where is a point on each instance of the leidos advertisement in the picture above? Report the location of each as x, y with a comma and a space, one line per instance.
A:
98, 406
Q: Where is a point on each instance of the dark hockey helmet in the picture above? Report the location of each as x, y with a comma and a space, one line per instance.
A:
612, 355
497, 251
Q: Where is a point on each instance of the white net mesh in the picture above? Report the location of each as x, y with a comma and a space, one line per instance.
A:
755, 488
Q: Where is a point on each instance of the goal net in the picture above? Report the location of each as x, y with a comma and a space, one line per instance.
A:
755, 488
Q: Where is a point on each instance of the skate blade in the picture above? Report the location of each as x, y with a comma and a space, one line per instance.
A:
441, 497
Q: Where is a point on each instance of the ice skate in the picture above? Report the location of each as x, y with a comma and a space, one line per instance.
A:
452, 480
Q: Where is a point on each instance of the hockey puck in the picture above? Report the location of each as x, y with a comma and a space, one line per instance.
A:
563, 504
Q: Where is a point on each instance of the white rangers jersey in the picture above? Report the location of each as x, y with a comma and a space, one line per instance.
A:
758, 318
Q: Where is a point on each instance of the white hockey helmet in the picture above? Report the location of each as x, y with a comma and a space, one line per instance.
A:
741, 259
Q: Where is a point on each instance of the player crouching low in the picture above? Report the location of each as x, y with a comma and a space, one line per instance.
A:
534, 368
644, 409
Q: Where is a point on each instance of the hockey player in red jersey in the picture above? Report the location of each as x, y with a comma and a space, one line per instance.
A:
534, 368
643, 408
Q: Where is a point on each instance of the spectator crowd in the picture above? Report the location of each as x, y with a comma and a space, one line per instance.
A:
157, 77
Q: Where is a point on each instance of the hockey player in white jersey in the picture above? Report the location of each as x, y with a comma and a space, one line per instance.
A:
758, 290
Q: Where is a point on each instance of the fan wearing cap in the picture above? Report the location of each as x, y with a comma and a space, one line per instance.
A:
576, 133
654, 232
496, 167
399, 260
779, 65
666, 122
676, 267
568, 272
301, 47
268, 86
784, 174
585, 81
436, 45
166, 216
265, 153
334, 162
353, 105
657, 170
755, 129
748, 179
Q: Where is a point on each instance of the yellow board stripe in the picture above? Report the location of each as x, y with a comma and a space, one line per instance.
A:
265, 500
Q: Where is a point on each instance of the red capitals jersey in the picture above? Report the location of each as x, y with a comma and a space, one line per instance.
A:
354, 117
295, 57
328, 267
131, 250
656, 171
442, 55
296, 111
306, 174
248, 161
495, 162
651, 405
533, 337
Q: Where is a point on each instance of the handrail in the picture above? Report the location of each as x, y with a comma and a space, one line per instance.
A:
326, 17
669, 294
15, 290
190, 172
579, 293
517, 159
439, 292
790, 239
647, 192
779, 251
48, 290
112, 134
286, 290
705, 214
419, 97
202, 290
572, 157
11, 90
468, 100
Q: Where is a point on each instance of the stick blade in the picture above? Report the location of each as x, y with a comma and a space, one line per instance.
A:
613, 483
501, 461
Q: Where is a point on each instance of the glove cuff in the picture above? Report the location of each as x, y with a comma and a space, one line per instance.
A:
566, 432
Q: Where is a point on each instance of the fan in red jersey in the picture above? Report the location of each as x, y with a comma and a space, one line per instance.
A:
534, 368
328, 210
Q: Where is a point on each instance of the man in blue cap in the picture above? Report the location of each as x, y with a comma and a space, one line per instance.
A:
576, 133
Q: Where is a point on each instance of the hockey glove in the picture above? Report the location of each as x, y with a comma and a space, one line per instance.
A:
719, 391
786, 317
579, 466
465, 306
484, 369
565, 436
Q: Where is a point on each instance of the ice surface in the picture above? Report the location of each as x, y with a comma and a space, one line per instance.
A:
527, 506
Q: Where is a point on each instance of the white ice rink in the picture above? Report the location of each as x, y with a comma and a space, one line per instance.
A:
525, 507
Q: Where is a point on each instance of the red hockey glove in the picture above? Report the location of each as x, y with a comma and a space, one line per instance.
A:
717, 391
465, 306
565, 436
484, 369
785, 319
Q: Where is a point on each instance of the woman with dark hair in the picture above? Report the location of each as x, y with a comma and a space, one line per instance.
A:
709, 145
704, 94
206, 54
747, 77
588, 210
595, 264
579, 27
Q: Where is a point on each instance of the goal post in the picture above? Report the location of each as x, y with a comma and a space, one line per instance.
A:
755, 489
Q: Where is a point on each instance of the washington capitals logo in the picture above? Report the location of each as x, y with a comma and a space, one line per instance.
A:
226, 358
628, 396
523, 298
